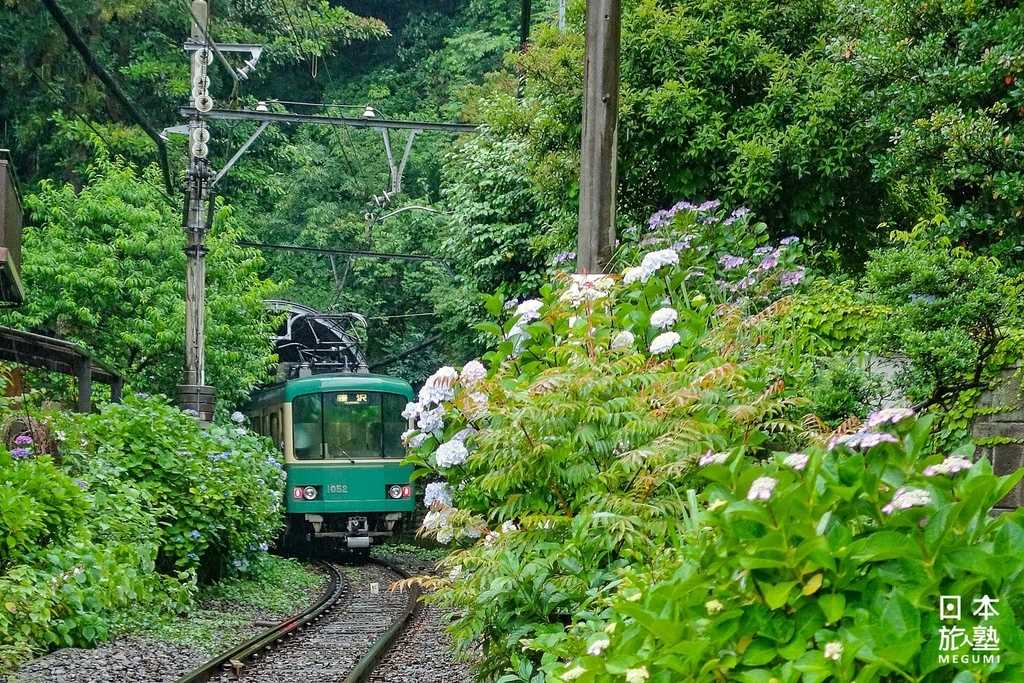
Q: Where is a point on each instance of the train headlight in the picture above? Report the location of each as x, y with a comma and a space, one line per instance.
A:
309, 492
395, 491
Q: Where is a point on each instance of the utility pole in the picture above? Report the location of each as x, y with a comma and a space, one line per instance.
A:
596, 235
193, 393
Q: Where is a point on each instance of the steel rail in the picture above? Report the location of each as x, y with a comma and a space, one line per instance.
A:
245, 651
240, 654
365, 666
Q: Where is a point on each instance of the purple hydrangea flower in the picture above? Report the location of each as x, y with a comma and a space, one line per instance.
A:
709, 205
729, 261
791, 278
564, 257
862, 440
21, 453
786, 241
23, 440
888, 416
711, 458
762, 251
770, 261
81, 484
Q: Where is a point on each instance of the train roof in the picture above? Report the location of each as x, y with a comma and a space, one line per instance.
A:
314, 384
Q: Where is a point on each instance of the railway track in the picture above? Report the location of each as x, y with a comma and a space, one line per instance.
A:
339, 639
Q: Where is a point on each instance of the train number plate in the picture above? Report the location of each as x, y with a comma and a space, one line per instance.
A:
337, 488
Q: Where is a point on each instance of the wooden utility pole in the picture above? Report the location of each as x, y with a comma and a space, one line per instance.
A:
193, 393
596, 236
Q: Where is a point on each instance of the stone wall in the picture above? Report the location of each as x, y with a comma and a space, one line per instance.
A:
1008, 422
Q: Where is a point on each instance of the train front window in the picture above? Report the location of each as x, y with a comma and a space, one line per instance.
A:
352, 424
348, 424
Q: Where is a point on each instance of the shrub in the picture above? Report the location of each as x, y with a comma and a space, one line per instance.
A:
217, 491
572, 459
824, 564
951, 313
40, 507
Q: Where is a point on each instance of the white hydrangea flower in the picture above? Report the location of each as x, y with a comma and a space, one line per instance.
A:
455, 573
623, 340
412, 410
659, 259
664, 318
796, 461
762, 488
445, 535
584, 288
508, 527
713, 606
598, 646
237, 417
437, 492
490, 539
451, 453
417, 441
573, 673
432, 420
472, 373
440, 386
636, 274
436, 519
834, 650
664, 342
637, 675
951, 465
906, 498
710, 458
529, 310
408, 435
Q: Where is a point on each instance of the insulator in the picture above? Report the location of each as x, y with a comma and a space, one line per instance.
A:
204, 103
200, 150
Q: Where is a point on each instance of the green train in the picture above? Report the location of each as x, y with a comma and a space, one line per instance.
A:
341, 435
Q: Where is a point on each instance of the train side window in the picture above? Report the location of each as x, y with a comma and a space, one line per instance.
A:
307, 427
275, 428
394, 425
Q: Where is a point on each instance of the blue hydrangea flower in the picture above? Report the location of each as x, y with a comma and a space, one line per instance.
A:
21, 453
195, 535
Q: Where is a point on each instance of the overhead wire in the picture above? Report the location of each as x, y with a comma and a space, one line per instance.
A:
111, 85
99, 134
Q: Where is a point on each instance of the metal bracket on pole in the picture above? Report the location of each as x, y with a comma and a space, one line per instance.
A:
238, 155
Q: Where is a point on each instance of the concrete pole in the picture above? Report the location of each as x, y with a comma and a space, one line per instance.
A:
193, 393
596, 234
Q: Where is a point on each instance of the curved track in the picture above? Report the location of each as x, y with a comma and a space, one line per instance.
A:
341, 637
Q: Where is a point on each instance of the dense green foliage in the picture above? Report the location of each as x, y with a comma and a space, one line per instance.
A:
834, 574
105, 267
640, 489
123, 508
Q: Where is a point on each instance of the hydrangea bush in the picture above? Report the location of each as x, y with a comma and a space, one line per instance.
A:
568, 451
822, 565
122, 508
218, 491
635, 496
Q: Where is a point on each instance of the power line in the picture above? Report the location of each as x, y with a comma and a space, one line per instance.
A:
111, 85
